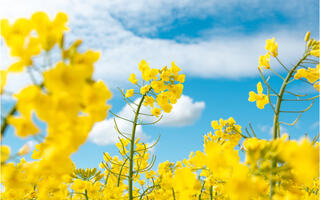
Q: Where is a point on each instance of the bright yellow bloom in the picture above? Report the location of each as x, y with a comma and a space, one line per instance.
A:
186, 184
242, 185
165, 75
148, 101
66, 79
24, 126
264, 61
49, 32
181, 78
5, 153
94, 99
315, 52
311, 74
300, 156
174, 69
272, 47
158, 86
261, 98
133, 79
144, 89
156, 112
129, 93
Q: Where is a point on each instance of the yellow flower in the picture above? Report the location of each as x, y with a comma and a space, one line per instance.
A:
215, 125
94, 99
174, 69
261, 99
129, 93
156, 112
181, 78
5, 153
315, 52
144, 89
133, 79
24, 126
272, 47
158, 86
166, 107
311, 74
49, 32
186, 184
66, 79
264, 61
165, 75
243, 185
149, 100
300, 156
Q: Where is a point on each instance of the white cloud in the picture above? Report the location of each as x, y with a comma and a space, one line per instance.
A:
185, 112
100, 27
105, 133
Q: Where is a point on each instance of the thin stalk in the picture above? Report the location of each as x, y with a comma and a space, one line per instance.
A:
173, 194
276, 116
86, 194
131, 162
5, 124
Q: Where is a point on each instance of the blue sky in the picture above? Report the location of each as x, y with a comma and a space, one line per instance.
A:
217, 45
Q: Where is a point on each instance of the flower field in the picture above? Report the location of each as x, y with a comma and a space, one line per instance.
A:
70, 102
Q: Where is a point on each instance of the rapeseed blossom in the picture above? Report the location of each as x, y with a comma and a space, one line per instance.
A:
163, 87
259, 97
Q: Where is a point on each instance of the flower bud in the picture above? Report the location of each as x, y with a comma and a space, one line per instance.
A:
310, 43
307, 36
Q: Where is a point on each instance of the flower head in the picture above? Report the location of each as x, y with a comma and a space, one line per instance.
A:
264, 61
129, 93
259, 97
272, 47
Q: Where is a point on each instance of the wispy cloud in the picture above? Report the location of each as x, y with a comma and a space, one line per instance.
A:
102, 26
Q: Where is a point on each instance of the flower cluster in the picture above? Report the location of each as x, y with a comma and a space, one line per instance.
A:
68, 101
310, 73
161, 86
272, 48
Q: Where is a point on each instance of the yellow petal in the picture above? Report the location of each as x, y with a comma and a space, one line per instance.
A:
252, 96
259, 88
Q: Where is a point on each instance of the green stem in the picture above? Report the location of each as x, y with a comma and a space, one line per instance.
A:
132, 143
211, 192
86, 194
276, 129
173, 194
5, 124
